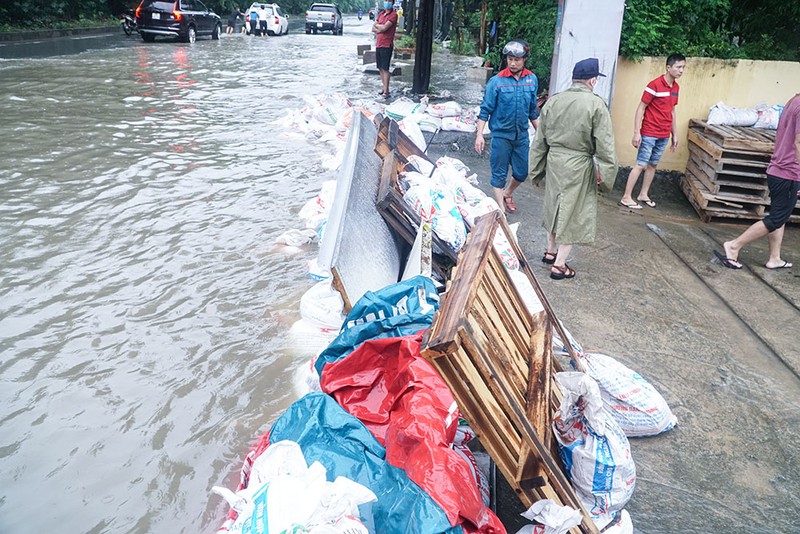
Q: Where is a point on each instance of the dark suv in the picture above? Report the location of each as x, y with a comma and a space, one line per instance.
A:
184, 19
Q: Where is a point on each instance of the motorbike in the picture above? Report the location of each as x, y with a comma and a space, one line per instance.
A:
128, 22
360, 14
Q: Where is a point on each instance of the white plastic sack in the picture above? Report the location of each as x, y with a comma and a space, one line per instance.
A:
316, 210
459, 124
296, 238
555, 519
409, 127
632, 401
322, 306
436, 204
424, 166
403, 107
721, 113
594, 451
769, 117
283, 494
427, 122
444, 109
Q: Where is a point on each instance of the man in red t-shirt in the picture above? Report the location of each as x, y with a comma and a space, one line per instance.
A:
384, 27
783, 181
652, 128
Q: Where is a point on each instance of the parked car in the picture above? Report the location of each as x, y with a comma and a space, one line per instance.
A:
271, 20
324, 17
184, 19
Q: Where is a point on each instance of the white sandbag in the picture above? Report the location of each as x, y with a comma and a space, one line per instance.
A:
459, 166
631, 400
594, 451
552, 518
721, 113
444, 109
459, 124
421, 164
296, 238
616, 523
769, 117
403, 107
427, 122
437, 204
481, 479
306, 338
526, 291
331, 108
284, 494
409, 127
322, 306
470, 212
316, 210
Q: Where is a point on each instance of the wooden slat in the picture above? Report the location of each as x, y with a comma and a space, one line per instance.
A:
497, 360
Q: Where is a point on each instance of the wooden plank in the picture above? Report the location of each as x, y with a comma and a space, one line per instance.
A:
736, 137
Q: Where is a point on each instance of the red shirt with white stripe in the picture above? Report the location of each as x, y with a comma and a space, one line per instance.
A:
661, 98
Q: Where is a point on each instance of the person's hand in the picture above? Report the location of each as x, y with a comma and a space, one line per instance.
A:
637, 140
674, 146
479, 143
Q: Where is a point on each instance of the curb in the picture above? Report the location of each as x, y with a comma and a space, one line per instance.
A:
6, 37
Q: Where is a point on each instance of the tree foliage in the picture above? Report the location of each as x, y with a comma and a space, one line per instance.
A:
52, 13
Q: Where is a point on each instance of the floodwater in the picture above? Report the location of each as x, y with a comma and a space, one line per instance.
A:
144, 308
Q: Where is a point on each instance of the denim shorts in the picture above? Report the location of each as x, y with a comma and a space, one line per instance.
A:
507, 152
650, 150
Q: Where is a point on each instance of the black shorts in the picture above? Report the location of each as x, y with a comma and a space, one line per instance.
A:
782, 200
383, 58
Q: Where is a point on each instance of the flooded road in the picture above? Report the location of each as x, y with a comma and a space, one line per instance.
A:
144, 309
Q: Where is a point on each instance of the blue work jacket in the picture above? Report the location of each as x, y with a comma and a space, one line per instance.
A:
509, 104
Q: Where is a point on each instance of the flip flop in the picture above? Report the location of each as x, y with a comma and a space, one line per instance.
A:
727, 262
648, 202
633, 206
786, 265
510, 206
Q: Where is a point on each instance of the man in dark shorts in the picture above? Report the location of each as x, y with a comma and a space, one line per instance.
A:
384, 28
783, 180
235, 14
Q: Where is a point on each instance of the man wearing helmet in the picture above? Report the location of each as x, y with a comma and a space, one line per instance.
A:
509, 105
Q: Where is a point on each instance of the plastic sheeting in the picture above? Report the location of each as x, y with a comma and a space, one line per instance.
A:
400, 309
407, 406
328, 434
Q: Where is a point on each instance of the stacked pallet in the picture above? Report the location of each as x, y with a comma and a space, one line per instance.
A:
726, 175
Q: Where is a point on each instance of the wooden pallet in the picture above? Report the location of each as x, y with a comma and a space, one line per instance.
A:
497, 359
710, 206
726, 174
737, 137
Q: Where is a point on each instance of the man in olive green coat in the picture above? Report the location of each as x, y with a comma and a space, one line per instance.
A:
574, 131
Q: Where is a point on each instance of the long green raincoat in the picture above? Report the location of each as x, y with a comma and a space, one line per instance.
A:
574, 126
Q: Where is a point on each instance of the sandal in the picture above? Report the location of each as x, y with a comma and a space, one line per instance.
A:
510, 206
561, 272
549, 258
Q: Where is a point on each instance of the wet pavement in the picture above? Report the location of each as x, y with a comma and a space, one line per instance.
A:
720, 345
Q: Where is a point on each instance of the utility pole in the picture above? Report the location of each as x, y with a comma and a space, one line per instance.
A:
422, 57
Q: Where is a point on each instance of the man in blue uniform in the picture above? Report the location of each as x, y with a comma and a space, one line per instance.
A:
509, 105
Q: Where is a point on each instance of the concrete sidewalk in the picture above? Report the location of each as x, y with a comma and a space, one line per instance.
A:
720, 345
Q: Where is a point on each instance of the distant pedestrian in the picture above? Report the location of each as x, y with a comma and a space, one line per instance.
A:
653, 125
509, 106
232, 18
384, 28
574, 131
783, 181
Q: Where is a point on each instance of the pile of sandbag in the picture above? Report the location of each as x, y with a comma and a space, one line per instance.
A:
446, 116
